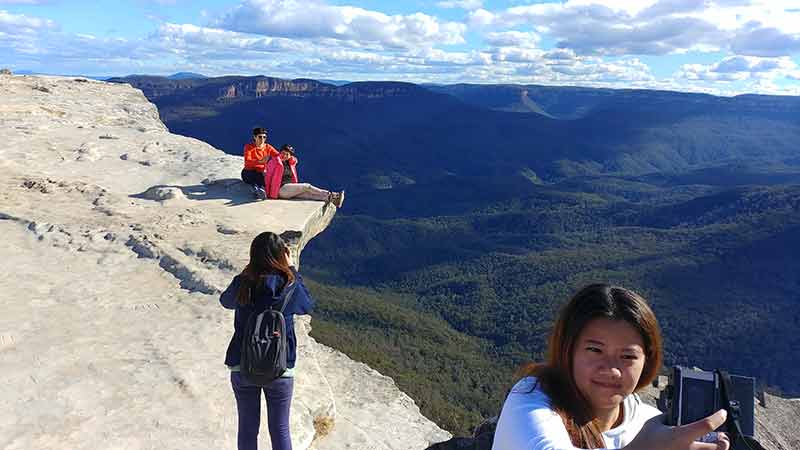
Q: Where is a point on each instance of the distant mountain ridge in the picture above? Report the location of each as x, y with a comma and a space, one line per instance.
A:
185, 75
571, 103
239, 87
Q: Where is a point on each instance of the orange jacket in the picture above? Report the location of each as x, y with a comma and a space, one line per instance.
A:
252, 154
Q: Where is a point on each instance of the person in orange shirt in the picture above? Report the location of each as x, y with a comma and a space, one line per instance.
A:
256, 155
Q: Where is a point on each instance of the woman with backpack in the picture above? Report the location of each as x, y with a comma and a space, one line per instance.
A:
267, 287
604, 347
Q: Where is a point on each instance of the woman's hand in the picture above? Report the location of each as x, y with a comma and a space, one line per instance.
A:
657, 436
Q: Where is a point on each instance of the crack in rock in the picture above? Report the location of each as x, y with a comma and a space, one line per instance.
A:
189, 279
208, 259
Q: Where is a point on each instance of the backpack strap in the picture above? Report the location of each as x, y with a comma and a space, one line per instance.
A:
287, 294
733, 408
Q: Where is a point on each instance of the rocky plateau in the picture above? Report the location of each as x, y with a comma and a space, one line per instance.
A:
117, 239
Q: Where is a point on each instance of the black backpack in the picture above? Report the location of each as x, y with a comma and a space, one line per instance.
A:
264, 343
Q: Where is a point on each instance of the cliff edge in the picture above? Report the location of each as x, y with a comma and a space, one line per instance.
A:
117, 238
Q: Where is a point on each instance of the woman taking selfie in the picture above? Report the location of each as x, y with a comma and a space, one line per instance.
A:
604, 347
257, 288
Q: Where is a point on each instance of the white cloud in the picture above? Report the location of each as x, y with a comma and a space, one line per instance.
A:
756, 39
560, 54
295, 19
516, 55
739, 68
595, 70
657, 27
469, 5
198, 39
512, 39
480, 18
20, 23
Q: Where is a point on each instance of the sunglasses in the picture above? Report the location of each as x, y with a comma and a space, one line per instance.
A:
264, 136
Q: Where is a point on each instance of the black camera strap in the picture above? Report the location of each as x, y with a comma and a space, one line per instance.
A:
733, 408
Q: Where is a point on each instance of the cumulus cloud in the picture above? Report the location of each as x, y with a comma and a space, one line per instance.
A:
463, 4
601, 27
560, 54
480, 18
196, 38
512, 39
20, 23
739, 68
656, 27
758, 40
293, 19
595, 70
666, 8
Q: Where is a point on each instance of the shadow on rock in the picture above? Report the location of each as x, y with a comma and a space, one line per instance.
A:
482, 438
231, 189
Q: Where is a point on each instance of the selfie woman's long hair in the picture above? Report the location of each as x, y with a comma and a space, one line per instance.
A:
268, 256
555, 376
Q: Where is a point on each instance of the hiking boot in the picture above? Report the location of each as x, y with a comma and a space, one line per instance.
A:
338, 199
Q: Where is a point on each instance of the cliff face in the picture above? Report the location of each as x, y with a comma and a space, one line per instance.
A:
242, 88
117, 239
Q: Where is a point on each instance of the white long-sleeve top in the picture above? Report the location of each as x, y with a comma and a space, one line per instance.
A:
527, 421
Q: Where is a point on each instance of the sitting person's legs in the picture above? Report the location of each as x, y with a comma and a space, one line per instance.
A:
253, 177
303, 191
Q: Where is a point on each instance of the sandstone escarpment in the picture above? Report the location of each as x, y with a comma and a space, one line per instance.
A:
117, 238
244, 88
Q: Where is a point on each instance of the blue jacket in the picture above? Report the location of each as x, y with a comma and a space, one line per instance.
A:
300, 303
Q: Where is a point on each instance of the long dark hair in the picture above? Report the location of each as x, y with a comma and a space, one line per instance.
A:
555, 375
268, 255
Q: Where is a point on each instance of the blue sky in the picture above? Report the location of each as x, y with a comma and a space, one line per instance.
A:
718, 46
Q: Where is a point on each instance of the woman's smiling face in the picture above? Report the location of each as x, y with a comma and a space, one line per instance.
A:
607, 362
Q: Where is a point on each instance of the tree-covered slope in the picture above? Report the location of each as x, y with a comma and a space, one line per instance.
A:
718, 266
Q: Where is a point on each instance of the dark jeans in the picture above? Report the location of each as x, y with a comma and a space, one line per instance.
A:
248, 404
253, 177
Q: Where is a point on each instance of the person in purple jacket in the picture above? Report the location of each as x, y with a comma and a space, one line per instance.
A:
256, 288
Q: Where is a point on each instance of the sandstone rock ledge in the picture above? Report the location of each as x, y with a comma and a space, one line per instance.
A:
117, 237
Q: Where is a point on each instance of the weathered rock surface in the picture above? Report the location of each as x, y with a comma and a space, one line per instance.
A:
117, 238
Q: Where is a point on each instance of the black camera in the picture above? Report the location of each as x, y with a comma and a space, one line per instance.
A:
693, 394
